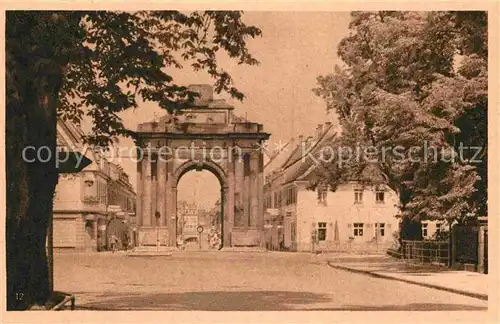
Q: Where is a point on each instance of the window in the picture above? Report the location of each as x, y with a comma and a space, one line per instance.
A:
380, 229
101, 192
424, 230
269, 201
290, 196
438, 228
322, 192
358, 196
321, 231
322, 197
358, 229
293, 232
379, 197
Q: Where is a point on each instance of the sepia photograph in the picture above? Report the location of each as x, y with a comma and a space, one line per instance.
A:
246, 161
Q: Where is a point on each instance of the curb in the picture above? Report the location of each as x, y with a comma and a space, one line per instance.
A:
146, 255
378, 275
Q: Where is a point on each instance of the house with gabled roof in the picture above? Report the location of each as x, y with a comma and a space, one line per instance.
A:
304, 214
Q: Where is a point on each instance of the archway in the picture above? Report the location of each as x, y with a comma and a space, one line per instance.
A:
207, 136
199, 215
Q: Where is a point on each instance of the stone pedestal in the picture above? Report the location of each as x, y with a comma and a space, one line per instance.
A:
247, 237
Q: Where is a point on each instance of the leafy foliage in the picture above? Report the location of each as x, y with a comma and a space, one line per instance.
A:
121, 56
415, 85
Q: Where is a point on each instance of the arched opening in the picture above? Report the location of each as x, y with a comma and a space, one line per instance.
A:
199, 215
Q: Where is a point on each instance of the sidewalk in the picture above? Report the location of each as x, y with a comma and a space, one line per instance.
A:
471, 284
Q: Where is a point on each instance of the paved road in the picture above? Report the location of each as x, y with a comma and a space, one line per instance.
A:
229, 281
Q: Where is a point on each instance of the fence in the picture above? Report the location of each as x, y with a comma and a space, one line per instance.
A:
64, 299
435, 252
467, 248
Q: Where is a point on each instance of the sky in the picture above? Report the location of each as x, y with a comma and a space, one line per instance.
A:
295, 48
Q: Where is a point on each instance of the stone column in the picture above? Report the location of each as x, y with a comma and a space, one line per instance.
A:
172, 215
260, 195
161, 193
229, 199
146, 197
139, 191
246, 191
238, 192
226, 235
254, 191
154, 183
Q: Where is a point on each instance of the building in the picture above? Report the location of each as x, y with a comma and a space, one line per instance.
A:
215, 215
214, 226
432, 228
187, 220
194, 225
82, 199
353, 217
122, 195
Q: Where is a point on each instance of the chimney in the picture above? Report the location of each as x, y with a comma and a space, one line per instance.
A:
319, 130
206, 93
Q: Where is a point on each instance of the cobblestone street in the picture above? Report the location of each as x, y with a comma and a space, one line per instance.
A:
231, 281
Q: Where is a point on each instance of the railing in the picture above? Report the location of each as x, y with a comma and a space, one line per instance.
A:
437, 252
66, 299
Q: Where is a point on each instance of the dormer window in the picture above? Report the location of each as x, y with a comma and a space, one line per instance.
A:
358, 195
322, 190
379, 195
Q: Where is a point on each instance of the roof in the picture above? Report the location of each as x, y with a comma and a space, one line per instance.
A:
71, 136
296, 165
371, 172
310, 144
278, 158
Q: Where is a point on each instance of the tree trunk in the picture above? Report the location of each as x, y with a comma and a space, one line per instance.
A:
31, 120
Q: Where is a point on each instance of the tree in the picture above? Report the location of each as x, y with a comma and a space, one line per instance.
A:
414, 82
97, 63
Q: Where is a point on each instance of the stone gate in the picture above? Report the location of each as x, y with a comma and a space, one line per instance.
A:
206, 136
